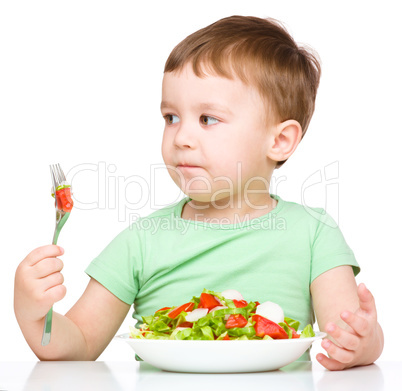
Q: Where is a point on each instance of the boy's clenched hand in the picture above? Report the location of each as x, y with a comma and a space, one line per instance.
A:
352, 345
38, 283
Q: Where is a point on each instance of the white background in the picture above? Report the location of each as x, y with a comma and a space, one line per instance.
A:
80, 84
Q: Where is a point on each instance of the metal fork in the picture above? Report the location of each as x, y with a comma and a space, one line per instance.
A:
58, 178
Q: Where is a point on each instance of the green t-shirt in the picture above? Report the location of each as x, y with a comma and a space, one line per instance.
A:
163, 260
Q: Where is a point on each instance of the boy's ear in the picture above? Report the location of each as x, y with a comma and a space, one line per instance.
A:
284, 139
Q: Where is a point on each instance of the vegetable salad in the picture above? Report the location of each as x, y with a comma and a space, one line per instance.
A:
220, 316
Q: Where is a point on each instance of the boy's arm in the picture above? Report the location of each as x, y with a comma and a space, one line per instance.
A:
84, 332
98, 314
348, 314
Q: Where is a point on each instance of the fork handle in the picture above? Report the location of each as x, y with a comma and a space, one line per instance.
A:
48, 327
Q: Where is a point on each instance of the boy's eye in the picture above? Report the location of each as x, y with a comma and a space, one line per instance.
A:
171, 119
205, 120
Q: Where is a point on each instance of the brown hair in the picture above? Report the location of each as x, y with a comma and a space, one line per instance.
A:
260, 52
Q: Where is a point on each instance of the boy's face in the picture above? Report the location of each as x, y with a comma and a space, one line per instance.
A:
215, 136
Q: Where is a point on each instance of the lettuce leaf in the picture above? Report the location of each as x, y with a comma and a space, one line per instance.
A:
292, 323
287, 329
249, 332
307, 332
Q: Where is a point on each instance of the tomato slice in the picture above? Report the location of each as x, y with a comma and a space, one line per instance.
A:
64, 201
176, 312
163, 309
240, 303
294, 334
208, 301
69, 204
226, 338
264, 326
59, 205
236, 320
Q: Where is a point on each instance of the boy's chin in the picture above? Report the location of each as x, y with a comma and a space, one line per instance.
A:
223, 199
197, 197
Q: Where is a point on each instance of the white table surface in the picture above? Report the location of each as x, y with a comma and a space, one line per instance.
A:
131, 375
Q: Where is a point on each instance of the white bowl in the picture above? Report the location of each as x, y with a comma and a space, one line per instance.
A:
220, 356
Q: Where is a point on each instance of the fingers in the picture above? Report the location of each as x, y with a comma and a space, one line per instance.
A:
343, 337
359, 324
342, 352
51, 281
329, 363
38, 282
366, 299
46, 267
55, 293
349, 346
337, 353
40, 253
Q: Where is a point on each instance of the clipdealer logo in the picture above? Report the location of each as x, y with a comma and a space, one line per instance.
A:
128, 195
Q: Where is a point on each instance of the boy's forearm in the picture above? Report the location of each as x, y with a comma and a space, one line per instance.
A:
67, 341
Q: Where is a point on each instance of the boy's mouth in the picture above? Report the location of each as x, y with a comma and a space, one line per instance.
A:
186, 165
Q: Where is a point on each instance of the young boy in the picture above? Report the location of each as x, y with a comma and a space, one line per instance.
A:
237, 98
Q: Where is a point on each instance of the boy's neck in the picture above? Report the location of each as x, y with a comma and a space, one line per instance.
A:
226, 212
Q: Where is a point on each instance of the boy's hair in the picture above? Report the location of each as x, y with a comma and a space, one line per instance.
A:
259, 52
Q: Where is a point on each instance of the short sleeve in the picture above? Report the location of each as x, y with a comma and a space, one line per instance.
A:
117, 266
329, 248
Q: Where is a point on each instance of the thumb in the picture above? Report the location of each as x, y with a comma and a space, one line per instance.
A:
366, 300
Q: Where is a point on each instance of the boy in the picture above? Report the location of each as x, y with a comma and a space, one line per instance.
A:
237, 98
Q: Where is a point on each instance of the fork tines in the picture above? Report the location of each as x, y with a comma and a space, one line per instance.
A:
57, 175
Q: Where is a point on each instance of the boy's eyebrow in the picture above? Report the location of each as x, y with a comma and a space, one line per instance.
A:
215, 106
203, 106
165, 104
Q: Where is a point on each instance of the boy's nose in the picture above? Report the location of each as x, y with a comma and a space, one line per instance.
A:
185, 136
